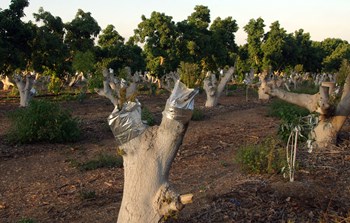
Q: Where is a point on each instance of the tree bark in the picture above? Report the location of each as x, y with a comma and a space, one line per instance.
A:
24, 88
214, 90
6, 83
147, 195
330, 120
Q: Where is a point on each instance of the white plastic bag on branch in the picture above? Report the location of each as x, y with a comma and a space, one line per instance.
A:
126, 123
180, 104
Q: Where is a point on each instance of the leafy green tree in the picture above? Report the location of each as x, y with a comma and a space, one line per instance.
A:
255, 33
242, 63
324, 49
189, 74
81, 32
48, 48
134, 56
15, 36
111, 44
84, 61
272, 47
200, 18
291, 51
158, 34
332, 62
110, 37
196, 38
115, 54
223, 42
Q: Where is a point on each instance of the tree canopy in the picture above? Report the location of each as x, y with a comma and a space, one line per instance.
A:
158, 45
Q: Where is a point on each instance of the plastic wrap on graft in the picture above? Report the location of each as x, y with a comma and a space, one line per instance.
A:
126, 123
180, 104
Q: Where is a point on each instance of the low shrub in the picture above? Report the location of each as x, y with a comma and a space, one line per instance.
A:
87, 194
147, 116
96, 81
266, 157
289, 114
197, 115
102, 161
26, 220
42, 121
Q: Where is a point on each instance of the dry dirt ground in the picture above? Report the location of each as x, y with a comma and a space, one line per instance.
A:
39, 182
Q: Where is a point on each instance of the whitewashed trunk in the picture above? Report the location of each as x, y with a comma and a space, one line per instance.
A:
24, 88
147, 195
146, 171
214, 90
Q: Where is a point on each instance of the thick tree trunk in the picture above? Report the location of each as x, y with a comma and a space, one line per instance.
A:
24, 88
214, 91
147, 196
330, 120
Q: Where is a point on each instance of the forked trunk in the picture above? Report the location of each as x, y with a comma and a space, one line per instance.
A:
330, 120
214, 90
148, 155
24, 88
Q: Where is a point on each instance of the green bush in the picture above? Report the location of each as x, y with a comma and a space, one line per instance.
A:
189, 74
306, 87
96, 81
267, 157
54, 85
87, 194
343, 72
197, 115
42, 121
102, 161
147, 116
289, 114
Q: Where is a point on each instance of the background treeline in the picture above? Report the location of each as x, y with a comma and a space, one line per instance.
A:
50, 46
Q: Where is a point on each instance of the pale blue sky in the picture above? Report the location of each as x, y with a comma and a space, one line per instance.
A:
321, 18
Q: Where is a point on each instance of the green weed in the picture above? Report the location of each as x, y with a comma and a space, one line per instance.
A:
197, 115
102, 161
266, 157
147, 116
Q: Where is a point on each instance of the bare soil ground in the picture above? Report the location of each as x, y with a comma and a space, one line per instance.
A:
38, 181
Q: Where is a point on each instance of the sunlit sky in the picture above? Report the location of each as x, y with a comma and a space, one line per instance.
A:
320, 18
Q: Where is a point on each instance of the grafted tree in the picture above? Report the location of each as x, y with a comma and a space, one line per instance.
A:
159, 35
148, 153
48, 49
272, 47
15, 36
223, 42
255, 32
332, 113
81, 32
213, 88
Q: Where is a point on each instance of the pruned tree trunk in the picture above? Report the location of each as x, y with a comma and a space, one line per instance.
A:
168, 80
263, 84
214, 90
331, 116
6, 83
25, 88
148, 153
